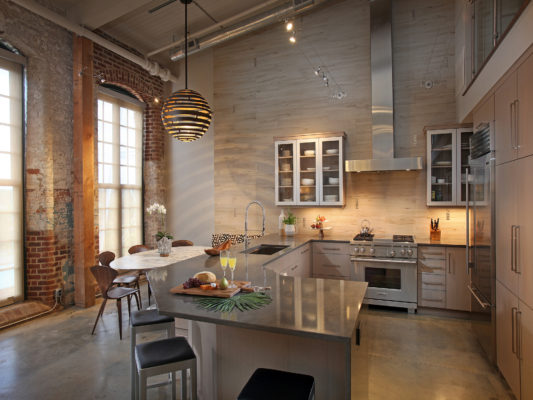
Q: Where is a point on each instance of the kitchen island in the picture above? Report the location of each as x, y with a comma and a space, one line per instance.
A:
312, 326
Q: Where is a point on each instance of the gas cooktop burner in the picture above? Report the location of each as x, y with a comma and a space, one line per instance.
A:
403, 238
364, 236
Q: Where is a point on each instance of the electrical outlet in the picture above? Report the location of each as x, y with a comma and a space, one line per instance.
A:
57, 295
447, 215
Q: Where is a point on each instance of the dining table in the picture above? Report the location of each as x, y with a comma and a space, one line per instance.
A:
148, 260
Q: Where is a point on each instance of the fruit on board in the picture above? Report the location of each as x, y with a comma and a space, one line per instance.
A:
192, 283
223, 283
205, 277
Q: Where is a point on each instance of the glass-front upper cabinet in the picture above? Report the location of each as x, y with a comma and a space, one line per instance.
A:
309, 170
448, 152
285, 153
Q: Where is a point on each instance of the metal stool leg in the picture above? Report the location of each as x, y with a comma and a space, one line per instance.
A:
133, 366
184, 384
193, 382
142, 386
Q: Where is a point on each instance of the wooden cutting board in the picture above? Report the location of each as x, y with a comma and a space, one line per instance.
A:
211, 293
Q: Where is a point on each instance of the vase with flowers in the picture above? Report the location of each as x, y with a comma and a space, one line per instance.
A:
163, 239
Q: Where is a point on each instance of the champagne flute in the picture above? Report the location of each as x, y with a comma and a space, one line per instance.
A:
232, 262
224, 261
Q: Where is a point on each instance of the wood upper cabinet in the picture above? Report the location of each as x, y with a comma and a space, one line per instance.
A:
309, 170
506, 334
457, 278
506, 221
505, 99
524, 108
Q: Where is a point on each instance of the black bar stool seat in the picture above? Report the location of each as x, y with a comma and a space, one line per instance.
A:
149, 317
165, 351
269, 384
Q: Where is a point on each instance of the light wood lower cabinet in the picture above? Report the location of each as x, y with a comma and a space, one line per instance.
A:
506, 333
442, 278
526, 350
331, 261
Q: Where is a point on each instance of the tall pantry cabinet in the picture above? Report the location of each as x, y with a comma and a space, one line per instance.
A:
513, 121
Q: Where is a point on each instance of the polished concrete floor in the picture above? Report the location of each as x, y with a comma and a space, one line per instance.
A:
410, 357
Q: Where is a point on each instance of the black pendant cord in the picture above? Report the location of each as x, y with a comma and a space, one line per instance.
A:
186, 45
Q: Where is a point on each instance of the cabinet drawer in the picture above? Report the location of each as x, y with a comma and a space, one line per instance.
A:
331, 248
331, 265
431, 252
430, 266
339, 277
432, 298
432, 281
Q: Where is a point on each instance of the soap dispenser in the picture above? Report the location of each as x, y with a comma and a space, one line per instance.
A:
281, 225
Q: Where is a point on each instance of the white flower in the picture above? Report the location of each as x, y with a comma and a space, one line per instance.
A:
156, 208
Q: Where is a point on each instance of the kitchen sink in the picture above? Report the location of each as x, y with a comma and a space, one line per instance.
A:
266, 249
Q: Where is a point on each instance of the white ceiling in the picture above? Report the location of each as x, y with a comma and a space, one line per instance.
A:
130, 21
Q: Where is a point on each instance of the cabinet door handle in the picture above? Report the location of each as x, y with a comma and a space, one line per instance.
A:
512, 248
516, 128
332, 248
293, 268
304, 251
513, 329
450, 263
519, 334
517, 249
511, 123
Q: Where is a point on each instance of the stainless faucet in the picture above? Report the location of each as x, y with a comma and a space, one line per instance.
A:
246, 240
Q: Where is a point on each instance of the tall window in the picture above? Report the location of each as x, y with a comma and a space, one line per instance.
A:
11, 245
119, 174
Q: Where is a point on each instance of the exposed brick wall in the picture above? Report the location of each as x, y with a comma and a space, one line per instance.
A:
116, 70
48, 151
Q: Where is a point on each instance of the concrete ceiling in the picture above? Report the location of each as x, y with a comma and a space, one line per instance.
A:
132, 23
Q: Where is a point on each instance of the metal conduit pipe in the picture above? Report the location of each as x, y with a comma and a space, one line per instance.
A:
259, 21
152, 67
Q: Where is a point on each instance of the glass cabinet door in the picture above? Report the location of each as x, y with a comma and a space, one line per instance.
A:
331, 192
441, 167
463, 154
308, 180
285, 172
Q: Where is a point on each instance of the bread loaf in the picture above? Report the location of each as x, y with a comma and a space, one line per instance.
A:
206, 277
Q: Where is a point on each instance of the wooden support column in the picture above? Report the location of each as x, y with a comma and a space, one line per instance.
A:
84, 167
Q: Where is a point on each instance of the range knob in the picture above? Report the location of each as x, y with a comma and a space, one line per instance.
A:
409, 252
361, 250
356, 250
392, 253
402, 252
372, 251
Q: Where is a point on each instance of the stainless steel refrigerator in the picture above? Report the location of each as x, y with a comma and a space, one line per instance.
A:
481, 237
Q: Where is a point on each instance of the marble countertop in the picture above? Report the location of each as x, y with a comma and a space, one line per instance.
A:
312, 307
151, 259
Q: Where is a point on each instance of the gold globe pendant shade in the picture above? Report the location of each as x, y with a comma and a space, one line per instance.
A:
186, 115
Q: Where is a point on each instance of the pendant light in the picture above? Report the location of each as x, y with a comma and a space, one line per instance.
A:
186, 115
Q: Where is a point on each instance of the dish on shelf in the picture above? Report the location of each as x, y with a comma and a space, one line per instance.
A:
445, 147
441, 180
332, 151
308, 182
286, 200
307, 197
309, 153
286, 153
333, 181
331, 197
326, 168
443, 163
286, 167
311, 169
286, 181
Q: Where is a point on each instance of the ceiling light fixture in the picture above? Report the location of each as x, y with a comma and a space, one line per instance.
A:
186, 115
292, 39
289, 26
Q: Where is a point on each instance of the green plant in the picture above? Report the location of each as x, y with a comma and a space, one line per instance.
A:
243, 302
160, 235
290, 219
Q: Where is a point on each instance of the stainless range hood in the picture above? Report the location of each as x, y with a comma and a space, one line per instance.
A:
382, 97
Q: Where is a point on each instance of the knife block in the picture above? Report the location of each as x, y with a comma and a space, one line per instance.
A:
434, 235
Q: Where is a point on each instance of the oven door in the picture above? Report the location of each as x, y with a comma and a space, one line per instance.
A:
388, 279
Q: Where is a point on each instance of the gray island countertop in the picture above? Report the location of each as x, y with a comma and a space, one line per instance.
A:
312, 307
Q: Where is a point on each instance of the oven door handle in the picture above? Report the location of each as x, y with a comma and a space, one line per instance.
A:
387, 260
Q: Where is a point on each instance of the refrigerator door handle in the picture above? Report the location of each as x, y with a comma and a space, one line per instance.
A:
517, 249
467, 172
512, 248
513, 329
519, 334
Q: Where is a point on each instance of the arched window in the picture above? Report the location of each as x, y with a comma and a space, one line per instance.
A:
11, 182
120, 204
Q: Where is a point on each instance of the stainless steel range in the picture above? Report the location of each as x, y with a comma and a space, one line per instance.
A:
389, 265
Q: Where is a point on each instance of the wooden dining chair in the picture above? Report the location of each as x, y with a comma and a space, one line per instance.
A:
139, 248
105, 276
179, 243
128, 279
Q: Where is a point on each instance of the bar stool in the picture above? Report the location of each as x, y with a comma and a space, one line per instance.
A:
146, 321
162, 357
268, 384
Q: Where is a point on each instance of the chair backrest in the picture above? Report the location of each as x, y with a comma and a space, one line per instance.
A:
178, 243
104, 276
106, 257
138, 248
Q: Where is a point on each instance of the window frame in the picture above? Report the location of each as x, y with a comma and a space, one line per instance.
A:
119, 99
22, 62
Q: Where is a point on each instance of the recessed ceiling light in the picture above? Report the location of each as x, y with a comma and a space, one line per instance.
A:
292, 39
289, 26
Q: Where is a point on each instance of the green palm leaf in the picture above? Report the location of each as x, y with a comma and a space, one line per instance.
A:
243, 302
